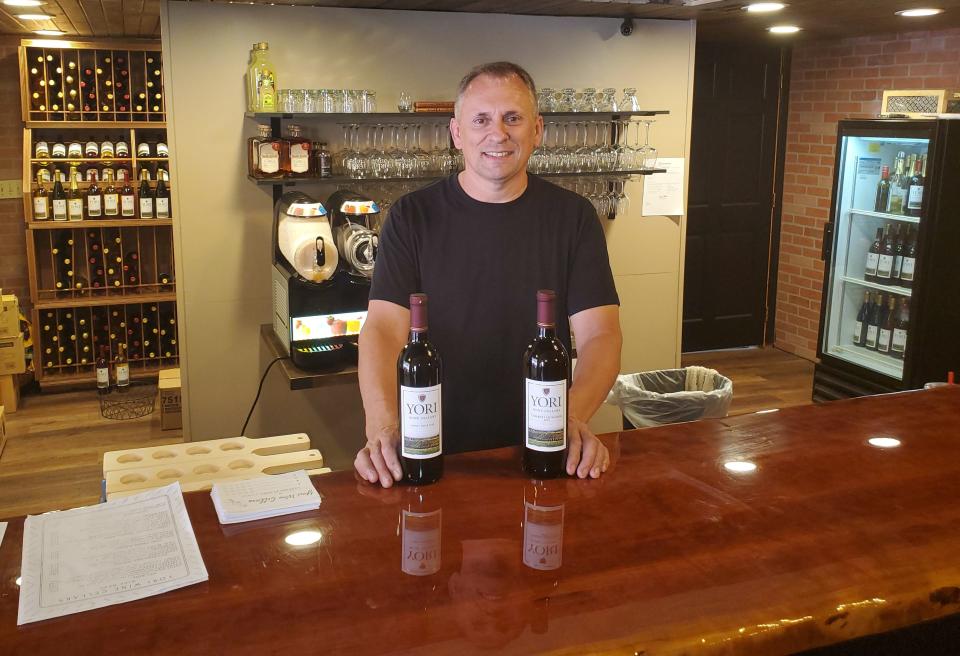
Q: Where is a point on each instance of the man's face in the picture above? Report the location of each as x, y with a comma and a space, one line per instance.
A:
497, 127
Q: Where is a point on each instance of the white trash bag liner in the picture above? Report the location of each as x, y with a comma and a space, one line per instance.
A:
669, 396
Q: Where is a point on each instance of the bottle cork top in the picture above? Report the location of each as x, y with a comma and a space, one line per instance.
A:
418, 312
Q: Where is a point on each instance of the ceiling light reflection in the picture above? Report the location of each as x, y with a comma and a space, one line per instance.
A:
739, 466
18, 581
763, 412
22, 3
764, 7
919, 12
49, 32
783, 29
303, 538
884, 442
34, 16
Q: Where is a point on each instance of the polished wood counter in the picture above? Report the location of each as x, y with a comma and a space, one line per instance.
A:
828, 539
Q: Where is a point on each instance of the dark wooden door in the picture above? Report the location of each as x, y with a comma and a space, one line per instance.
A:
736, 102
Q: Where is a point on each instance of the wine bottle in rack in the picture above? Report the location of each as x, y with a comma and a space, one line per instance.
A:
886, 257
74, 197
860, 326
546, 372
103, 372
75, 149
111, 197
121, 369
897, 241
909, 259
91, 149
873, 258
59, 150
41, 201
146, 197
162, 199
58, 199
128, 206
94, 200
898, 342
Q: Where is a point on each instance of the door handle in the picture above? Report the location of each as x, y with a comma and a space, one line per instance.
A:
826, 248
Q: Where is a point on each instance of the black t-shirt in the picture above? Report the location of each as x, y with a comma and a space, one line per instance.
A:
480, 265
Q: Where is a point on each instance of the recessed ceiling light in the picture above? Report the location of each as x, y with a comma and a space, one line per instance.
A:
22, 3
916, 13
49, 32
884, 442
34, 16
740, 466
764, 7
783, 29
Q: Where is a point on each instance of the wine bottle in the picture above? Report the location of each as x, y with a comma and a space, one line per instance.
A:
58, 198
886, 328
419, 400
885, 259
162, 200
59, 150
122, 370
546, 371
873, 258
128, 208
146, 197
91, 149
94, 201
915, 191
909, 260
41, 201
873, 323
111, 197
883, 190
898, 343
41, 150
74, 198
103, 372
859, 332
897, 257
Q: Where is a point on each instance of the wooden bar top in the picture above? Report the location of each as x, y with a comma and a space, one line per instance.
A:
828, 539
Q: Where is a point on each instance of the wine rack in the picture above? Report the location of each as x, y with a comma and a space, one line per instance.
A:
100, 281
91, 83
70, 338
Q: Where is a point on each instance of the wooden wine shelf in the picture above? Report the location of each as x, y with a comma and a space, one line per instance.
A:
94, 124
54, 380
81, 160
98, 301
98, 223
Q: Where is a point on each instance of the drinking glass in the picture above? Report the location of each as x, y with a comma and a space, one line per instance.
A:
586, 102
647, 153
310, 101
567, 100
350, 101
369, 99
608, 100
545, 99
405, 103
629, 102
287, 103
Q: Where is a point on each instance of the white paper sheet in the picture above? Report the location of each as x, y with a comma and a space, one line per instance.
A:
3, 529
663, 192
264, 496
122, 550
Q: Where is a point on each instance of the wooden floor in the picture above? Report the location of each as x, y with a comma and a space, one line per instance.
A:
55, 445
53, 458
763, 378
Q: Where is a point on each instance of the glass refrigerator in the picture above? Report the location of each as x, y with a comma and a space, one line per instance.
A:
889, 317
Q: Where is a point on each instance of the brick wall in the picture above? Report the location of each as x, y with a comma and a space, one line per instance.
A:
830, 81
13, 259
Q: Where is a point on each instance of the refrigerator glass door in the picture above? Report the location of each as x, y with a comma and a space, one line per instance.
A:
876, 225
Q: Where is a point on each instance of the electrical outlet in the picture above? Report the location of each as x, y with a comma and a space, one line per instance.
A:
11, 189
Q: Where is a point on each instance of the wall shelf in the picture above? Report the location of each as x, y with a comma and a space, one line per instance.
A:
96, 301
297, 377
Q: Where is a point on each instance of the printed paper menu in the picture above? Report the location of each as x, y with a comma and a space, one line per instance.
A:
123, 550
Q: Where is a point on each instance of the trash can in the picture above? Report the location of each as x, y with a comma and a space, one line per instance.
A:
670, 396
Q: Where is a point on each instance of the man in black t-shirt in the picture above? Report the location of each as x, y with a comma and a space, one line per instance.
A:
479, 244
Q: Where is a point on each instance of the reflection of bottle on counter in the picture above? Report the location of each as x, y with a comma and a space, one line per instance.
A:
421, 524
543, 514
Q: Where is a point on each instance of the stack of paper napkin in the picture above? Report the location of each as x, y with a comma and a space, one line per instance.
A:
264, 496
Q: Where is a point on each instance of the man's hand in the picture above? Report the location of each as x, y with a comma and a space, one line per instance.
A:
586, 455
377, 461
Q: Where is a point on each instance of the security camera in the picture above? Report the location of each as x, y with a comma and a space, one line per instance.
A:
626, 27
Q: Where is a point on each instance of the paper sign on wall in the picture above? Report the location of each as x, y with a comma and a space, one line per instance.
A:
663, 192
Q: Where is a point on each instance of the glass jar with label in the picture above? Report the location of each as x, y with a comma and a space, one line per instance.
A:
263, 154
295, 155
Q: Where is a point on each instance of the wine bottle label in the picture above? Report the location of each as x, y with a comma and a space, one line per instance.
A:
103, 377
106, 149
122, 149
163, 208
421, 543
897, 266
915, 197
884, 266
143, 149
897, 194
546, 415
421, 422
269, 158
91, 149
899, 344
40, 208
42, 149
75, 150
59, 150
45, 175
162, 149
857, 332
873, 259
146, 208
906, 272
127, 205
299, 157
93, 206
883, 345
872, 336
542, 536
60, 210
110, 203
75, 209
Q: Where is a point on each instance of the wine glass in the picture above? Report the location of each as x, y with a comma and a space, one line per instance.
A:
646, 152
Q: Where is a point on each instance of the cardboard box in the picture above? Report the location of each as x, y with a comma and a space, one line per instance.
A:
3, 430
9, 316
170, 373
170, 417
11, 355
9, 393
